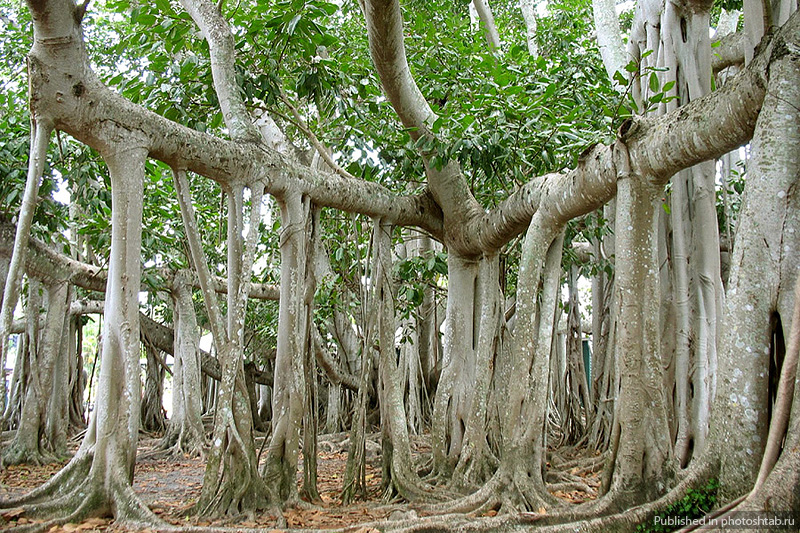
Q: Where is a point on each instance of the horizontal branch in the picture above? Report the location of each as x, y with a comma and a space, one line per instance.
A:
65, 87
727, 51
89, 111
163, 338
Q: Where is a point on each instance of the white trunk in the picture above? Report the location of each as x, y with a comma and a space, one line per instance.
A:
609, 36
40, 139
289, 389
487, 21
528, 8
642, 455
727, 23
231, 484
186, 433
763, 269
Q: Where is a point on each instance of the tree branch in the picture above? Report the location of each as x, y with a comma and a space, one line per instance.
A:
208, 17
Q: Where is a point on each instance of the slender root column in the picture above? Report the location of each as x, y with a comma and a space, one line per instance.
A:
231, 484
42, 130
518, 483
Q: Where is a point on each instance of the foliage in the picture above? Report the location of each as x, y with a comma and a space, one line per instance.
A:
414, 275
696, 504
730, 193
655, 94
506, 117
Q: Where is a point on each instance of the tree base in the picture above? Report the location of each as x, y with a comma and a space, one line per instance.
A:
79, 492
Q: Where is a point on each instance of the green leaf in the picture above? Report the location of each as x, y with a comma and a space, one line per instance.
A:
654, 82
293, 24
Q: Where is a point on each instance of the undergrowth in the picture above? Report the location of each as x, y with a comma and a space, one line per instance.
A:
696, 504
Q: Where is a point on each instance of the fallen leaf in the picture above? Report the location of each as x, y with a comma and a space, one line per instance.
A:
92, 523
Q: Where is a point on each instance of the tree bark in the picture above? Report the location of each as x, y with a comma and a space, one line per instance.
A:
288, 395
759, 288
528, 8
36, 440
40, 139
487, 21
231, 484
185, 433
153, 416
609, 36
641, 457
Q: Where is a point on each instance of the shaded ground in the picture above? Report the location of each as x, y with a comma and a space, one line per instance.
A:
170, 486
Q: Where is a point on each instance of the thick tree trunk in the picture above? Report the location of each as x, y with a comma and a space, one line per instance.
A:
521, 380
475, 460
453, 401
641, 455
97, 481
763, 268
470, 342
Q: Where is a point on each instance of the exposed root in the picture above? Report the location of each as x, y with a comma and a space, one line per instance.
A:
73, 475
20, 455
81, 513
411, 488
75, 494
584, 464
485, 496
183, 442
568, 486
612, 503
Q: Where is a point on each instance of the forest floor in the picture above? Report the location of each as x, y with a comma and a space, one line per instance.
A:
171, 485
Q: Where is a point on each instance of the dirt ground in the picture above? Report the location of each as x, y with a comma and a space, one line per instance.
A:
171, 485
